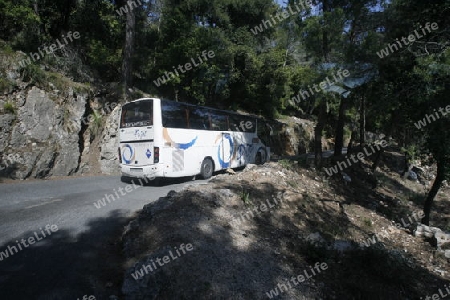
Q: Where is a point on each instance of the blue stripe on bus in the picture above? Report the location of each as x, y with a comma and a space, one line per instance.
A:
187, 145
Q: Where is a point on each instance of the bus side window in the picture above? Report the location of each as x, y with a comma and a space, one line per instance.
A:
234, 123
188, 124
174, 115
199, 119
219, 121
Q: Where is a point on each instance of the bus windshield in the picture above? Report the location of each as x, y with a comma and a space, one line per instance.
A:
137, 114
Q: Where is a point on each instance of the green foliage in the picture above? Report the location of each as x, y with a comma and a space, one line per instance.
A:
102, 57
97, 123
19, 23
293, 184
286, 163
34, 74
332, 23
6, 48
245, 197
9, 107
411, 151
347, 133
5, 84
58, 80
367, 222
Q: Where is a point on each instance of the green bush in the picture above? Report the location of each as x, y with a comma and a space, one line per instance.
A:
245, 197
97, 122
34, 74
6, 48
5, 85
286, 163
8, 107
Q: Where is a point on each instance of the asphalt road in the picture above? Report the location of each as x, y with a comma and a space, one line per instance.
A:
82, 255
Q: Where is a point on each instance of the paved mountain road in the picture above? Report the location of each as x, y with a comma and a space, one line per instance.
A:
80, 258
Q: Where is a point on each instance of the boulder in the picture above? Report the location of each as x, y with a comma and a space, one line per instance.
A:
438, 238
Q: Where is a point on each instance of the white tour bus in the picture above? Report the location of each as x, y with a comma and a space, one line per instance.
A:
162, 138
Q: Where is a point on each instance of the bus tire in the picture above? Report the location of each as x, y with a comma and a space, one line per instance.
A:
126, 179
261, 156
207, 168
156, 182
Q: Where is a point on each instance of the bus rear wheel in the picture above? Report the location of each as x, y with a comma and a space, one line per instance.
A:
207, 168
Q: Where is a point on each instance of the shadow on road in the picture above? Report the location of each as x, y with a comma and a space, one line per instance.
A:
61, 266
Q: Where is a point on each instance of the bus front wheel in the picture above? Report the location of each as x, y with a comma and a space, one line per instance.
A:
207, 168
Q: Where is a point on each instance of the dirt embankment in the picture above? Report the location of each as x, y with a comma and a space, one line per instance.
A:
284, 231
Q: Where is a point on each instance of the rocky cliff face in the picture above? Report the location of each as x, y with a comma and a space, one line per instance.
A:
51, 125
41, 130
109, 163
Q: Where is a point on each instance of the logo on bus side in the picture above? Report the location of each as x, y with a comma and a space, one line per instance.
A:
244, 152
127, 154
225, 161
237, 151
140, 133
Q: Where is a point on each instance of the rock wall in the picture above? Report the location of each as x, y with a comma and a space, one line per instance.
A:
34, 128
109, 144
51, 124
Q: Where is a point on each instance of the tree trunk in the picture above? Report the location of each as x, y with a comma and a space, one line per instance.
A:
362, 121
408, 165
157, 10
325, 43
322, 106
350, 144
127, 67
318, 136
339, 136
70, 6
440, 176
377, 159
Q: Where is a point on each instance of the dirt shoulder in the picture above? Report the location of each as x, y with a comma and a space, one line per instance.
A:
287, 232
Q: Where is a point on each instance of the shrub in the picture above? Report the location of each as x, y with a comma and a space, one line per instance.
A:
97, 122
34, 74
286, 163
5, 85
8, 107
245, 197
